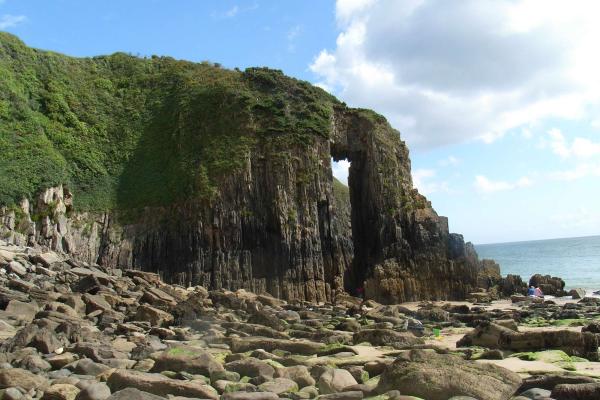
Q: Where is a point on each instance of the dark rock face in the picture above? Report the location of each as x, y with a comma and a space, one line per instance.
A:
278, 227
489, 274
512, 284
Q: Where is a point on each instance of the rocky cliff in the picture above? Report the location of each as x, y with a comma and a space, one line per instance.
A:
215, 177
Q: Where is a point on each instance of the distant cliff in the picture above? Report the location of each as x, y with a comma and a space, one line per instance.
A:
215, 177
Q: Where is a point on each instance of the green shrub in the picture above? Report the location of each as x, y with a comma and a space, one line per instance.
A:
125, 132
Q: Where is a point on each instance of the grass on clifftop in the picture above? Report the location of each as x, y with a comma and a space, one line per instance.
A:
125, 132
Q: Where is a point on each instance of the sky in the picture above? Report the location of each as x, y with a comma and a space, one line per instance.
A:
498, 100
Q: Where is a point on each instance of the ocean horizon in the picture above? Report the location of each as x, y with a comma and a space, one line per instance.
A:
576, 260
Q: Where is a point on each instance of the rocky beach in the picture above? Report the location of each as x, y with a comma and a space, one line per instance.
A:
74, 331
173, 230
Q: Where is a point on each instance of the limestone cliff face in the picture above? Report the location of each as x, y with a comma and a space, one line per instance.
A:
276, 226
215, 177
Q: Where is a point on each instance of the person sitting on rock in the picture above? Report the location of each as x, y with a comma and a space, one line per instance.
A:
531, 291
538, 292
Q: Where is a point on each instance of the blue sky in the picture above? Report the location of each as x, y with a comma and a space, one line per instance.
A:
497, 100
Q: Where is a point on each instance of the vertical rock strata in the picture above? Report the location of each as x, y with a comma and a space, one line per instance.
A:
215, 177
278, 227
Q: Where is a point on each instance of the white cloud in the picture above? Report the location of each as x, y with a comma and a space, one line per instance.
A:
526, 133
10, 21
449, 161
423, 180
580, 171
579, 148
595, 123
345, 9
446, 72
485, 185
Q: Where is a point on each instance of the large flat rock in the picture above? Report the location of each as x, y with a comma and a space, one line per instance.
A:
440, 376
159, 385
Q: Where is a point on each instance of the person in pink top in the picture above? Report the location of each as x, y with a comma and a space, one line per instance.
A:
538, 292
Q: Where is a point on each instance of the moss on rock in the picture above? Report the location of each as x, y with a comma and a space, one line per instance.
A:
124, 132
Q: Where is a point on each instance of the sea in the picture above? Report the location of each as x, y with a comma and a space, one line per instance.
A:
575, 260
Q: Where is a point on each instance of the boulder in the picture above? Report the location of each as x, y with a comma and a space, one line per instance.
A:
224, 376
266, 318
88, 284
350, 325
251, 367
386, 337
223, 386
17, 268
62, 308
255, 330
279, 385
536, 394
95, 391
349, 395
494, 336
95, 302
149, 277
47, 259
512, 284
250, 396
21, 285
23, 311
85, 366
593, 327
59, 361
434, 376
185, 358
157, 297
303, 347
97, 351
133, 394
74, 301
159, 385
12, 394
335, 380
61, 391
21, 339
549, 381
269, 300
297, 373
25, 379
34, 363
7, 331
153, 315
6, 256
432, 314
46, 341
582, 391
488, 274
577, 293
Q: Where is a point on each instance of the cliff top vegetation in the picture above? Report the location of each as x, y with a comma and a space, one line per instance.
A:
123, 131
